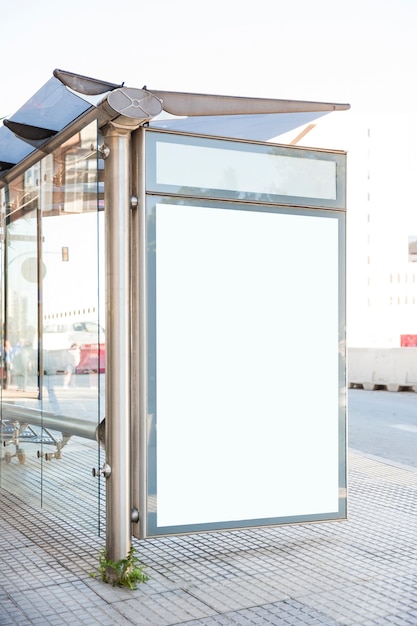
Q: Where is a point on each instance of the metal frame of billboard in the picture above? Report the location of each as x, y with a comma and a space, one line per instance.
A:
291, 235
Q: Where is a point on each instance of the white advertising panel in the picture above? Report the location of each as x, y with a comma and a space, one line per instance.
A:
247, 365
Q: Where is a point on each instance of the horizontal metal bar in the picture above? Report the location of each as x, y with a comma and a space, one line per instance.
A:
64, 424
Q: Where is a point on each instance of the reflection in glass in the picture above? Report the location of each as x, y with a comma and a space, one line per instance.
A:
53, 398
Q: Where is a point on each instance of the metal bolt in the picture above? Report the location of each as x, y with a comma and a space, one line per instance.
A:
104, 471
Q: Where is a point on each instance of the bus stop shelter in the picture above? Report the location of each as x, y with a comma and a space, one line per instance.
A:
212, 259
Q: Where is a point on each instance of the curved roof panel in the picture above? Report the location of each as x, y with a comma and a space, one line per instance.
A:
44, 115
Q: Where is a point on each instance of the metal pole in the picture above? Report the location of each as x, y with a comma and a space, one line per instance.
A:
117, 221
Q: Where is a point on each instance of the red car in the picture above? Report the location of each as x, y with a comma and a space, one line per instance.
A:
92, 358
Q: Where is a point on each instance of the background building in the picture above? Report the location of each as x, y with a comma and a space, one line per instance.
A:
381, 224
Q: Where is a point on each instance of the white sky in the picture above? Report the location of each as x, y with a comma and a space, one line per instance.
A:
362, 51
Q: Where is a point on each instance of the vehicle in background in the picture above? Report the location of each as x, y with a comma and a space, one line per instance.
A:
58, 338
92, 358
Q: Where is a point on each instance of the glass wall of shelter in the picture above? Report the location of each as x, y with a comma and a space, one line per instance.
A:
53, 343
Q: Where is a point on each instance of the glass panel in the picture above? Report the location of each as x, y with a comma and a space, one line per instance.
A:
12, 149
246, 308
54, 321
4, 348
53, 106
244, 171
73, 337
21, 388
256, 127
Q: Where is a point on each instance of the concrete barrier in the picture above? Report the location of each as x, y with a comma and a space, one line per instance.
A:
394, 369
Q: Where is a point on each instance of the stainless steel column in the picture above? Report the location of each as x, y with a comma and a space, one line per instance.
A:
129, 109
118, 344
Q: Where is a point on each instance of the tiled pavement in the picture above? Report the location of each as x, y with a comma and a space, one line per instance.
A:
361, 571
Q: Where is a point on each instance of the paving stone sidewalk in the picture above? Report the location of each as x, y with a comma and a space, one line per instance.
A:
357, 572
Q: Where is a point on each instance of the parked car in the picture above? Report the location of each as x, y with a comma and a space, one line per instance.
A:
92, 358
58, 338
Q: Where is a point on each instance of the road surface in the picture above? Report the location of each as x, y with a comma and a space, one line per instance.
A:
384, 424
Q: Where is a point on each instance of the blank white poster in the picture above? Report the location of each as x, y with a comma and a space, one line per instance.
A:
247, 365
